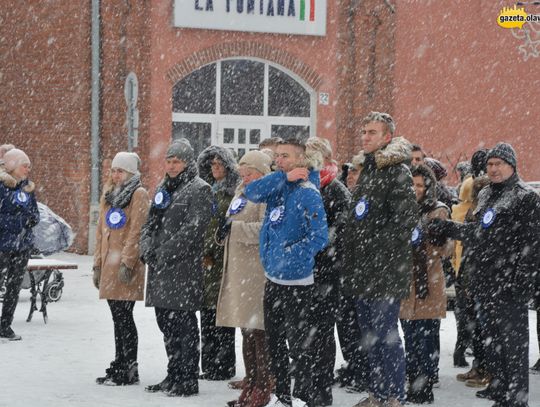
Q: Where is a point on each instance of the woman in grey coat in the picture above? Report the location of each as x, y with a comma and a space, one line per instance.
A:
172, 242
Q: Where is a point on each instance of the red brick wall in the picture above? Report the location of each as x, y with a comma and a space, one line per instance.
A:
45, 94
462, 83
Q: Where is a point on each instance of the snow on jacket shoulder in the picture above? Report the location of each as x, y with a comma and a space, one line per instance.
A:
294, 228
18, 214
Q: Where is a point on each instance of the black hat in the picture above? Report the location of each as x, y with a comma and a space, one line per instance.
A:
505, 152
181, 149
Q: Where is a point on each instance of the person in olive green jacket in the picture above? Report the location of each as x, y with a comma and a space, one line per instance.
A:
218, 167
378, 254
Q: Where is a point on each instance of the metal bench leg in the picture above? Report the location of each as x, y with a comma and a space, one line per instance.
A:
33, 291
43, 295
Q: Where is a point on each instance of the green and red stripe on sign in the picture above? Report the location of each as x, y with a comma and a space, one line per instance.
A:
311, 10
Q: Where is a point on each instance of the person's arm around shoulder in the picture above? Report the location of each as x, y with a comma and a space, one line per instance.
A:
445, 246
262, 189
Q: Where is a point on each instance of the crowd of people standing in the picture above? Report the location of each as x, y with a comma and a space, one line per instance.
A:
285, 246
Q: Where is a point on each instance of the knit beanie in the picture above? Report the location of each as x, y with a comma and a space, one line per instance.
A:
257, 160
181, 149
128, 162
505, 152
14, 158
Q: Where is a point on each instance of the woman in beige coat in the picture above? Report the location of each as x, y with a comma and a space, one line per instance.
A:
240, 302
118, 270
422, 311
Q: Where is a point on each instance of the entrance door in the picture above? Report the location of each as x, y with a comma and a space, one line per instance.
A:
241, 136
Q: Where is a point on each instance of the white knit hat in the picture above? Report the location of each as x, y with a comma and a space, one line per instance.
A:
128, 162
14, 158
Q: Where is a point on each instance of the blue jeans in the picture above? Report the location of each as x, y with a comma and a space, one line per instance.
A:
380, 338
421, 350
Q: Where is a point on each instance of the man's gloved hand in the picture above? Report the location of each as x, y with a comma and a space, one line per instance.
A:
422, 291
438, 228
223, 229
125, 274
97, 276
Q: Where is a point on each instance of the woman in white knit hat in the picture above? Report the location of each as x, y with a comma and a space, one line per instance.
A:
118, 270
18, 215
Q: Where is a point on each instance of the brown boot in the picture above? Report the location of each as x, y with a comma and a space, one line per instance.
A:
471, 374
237, 384
481, 380
244, 398
259, 397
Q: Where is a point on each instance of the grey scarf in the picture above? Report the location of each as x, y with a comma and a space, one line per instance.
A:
122, 197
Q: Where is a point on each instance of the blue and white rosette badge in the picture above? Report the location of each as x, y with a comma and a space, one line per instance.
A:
361, 209
162, 199
115, 218
276, 216
416, 237
22, 197
237, 205
488, 218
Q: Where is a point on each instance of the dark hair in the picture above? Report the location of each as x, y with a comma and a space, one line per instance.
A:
479, 162
293, 142
416, 147
272, 141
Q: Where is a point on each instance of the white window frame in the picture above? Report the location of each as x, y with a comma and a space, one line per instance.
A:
218, 120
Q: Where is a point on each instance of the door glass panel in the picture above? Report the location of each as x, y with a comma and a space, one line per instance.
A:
228, 136
242, 87
196, 93
286, 97
241, 136
198, 134
254, 136
241, 152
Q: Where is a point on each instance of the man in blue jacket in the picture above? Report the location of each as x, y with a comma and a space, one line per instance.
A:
293, 232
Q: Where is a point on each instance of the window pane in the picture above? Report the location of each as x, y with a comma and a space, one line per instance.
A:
286, 97
254, 136
242, 87
241, 136
228, 136
241, 152
300, 133
196, 93
198, 134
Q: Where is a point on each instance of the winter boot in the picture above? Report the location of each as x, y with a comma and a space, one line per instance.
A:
370, 401
259, 397
183, 389
244, 397
471, 374
7, 333
108, 372
126, 375
164, 385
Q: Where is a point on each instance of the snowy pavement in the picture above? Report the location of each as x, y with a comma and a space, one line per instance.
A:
56, 364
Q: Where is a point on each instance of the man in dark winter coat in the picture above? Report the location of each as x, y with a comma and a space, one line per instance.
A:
172, 243
378, 254
293, 232
504, 256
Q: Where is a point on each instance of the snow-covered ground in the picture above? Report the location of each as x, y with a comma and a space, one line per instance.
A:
56, 363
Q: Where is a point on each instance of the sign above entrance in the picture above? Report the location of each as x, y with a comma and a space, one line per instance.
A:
299, 17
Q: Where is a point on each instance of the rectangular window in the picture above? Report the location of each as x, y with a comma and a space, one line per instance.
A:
198, 134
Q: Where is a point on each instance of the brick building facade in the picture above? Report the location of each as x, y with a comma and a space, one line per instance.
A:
371, 58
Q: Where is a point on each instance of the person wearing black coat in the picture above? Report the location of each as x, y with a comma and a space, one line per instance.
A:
336, 199
172, 242
504, 249
18, 215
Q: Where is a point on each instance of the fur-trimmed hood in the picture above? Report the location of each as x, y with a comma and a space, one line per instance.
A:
204, 163
396, 152
11, 182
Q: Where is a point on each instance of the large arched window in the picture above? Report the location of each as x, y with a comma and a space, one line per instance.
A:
236, 103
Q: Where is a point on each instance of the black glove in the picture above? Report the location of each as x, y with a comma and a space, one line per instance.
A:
223, 230
438, 228
422, 291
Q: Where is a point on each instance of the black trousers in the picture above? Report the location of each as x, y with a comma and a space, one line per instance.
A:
324, 313
126, 339
181, 336
287, 318
218, 359
12, 265
506, 324
469, 328
349, 335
